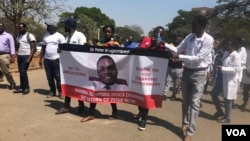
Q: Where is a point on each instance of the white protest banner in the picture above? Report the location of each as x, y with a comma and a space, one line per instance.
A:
140, 77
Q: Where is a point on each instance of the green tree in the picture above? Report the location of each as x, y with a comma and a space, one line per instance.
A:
89, 20
123, 33
95, 14
181, 25
135, 28
231, 18
38, 10
233, 8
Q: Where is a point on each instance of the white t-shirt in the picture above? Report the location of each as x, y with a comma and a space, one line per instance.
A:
51, 41
78, 38
24, 45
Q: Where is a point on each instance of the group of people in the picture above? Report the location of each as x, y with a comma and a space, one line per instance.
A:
196, 53
24, 48
189, 59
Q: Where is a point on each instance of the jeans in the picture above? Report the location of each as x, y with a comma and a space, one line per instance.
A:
144, 112
172, 74
192, 90
23, 68
52, 69
228, 108
217, 89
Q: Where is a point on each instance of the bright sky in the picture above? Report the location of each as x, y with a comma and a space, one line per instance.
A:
145, 13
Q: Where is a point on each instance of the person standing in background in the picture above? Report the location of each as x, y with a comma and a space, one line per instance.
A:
7, 55
51, 40
26, 48
231, 72
155, 42
243, 57
77, 38
246, 82
174, 73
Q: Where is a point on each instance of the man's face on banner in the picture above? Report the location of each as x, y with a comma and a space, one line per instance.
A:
107, 71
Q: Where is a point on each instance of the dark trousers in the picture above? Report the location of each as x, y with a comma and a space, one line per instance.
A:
23, 68
246, 89
52, 69
143, 112
67, 102
216, 91
93, 105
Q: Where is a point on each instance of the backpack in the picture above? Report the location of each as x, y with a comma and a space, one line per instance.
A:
145, 43
28, 39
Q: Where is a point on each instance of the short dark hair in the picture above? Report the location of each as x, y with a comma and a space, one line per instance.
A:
159, 27
71, 22
109, 26
107, 57
201, 20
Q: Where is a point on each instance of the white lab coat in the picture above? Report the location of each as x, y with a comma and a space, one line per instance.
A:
243, 57
231, 73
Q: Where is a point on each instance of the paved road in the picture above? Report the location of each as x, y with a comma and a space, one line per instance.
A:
32, 118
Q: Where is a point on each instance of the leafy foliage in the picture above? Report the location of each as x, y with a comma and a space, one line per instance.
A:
181, 25
38, 10
123, 33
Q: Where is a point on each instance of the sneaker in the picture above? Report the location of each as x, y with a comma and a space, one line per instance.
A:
18, 91
51, 94
218, 115
142, 125
223, 120
26, 91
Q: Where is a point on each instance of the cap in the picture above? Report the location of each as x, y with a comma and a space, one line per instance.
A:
51, 24
71, 22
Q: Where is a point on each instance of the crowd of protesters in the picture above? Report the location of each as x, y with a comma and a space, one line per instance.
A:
194, 60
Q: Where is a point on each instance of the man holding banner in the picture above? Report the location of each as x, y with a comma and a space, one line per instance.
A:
76, 38
198, 46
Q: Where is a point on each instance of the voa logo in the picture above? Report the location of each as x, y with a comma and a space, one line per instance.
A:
236, 132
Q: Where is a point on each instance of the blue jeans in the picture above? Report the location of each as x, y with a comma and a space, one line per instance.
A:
192, 89
23, 68
52, 69
172, 74
228, 107
217, 89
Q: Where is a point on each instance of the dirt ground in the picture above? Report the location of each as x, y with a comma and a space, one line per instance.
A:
32, 118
